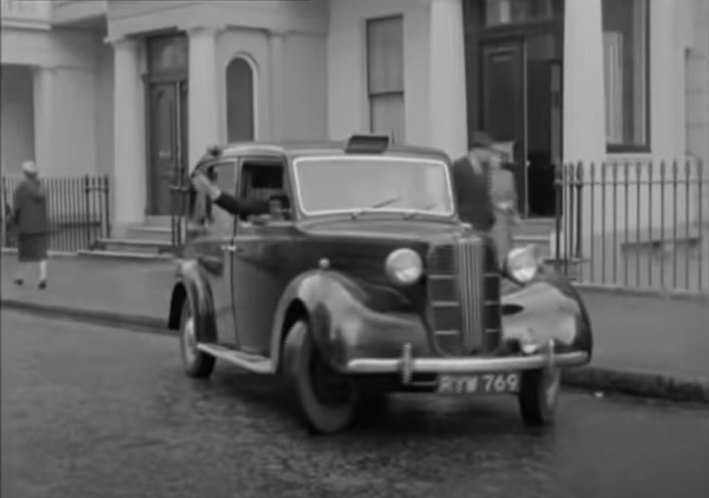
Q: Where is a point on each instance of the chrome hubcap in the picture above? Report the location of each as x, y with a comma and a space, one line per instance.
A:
189, 340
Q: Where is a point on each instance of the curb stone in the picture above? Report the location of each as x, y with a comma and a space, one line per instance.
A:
119, 320
589, 378
647, 385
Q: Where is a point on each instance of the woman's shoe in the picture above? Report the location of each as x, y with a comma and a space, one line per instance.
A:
43, 284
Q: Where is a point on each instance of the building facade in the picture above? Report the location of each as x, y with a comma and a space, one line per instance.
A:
137, 90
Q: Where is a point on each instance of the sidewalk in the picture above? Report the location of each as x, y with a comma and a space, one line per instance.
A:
644, 345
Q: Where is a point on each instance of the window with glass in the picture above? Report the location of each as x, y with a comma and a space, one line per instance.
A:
502, 12
626, 61
202, 214
376, 183
385, 76
168, 54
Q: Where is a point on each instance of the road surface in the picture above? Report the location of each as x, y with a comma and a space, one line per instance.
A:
96, 412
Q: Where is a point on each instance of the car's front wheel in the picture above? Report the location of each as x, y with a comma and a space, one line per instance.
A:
197, 364
326, 399
538, 395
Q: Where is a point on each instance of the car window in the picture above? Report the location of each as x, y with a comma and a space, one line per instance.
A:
265, 180
349, 183
202, 211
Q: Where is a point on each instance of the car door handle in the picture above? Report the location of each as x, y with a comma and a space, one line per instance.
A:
230, 248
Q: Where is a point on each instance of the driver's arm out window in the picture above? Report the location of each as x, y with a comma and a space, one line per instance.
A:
203, 212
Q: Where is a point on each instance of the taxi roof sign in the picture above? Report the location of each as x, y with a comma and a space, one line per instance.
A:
367, 144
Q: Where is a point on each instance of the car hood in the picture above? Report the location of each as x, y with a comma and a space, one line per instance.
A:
390, 229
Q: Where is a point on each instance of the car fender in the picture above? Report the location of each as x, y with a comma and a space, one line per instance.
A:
548, 308
193, 285
331, 301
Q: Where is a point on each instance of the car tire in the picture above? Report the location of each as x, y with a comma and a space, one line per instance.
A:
538, 395
325, 409
197, 364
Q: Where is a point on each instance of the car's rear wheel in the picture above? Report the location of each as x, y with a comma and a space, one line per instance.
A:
538, 395
197, 364
327, 400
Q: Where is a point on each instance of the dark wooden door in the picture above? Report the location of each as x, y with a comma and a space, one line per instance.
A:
503, 103
167, 142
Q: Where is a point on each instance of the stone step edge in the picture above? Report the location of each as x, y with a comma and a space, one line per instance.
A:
595, 379
136, 242
135, 256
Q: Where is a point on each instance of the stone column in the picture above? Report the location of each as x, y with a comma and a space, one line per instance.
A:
584, 118
44, 126
129, 136
276, 99
203, 99
447, 98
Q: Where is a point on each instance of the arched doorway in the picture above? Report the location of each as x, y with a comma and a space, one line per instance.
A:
240, 76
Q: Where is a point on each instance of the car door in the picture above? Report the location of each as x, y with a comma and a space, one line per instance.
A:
258, 272
213, 248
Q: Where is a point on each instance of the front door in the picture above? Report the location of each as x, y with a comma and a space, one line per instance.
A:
503, 103
167, 140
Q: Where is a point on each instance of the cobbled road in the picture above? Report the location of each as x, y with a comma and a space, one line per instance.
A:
96, 412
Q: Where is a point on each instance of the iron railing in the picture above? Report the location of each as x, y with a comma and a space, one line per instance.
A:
78, 209
634, 224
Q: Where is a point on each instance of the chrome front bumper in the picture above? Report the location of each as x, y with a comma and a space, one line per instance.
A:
407, 365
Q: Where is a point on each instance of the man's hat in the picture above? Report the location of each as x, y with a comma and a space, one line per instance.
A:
482, 139
29, 167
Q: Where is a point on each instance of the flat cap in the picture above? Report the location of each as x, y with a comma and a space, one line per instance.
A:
482, 139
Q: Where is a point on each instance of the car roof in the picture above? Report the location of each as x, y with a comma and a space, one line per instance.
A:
294, 150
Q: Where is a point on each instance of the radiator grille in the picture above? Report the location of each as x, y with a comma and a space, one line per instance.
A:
456, 288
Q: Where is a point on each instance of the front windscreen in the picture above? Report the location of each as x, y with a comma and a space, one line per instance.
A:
348, 183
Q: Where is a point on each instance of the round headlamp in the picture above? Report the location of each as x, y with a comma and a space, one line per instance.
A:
522, 264
404, 266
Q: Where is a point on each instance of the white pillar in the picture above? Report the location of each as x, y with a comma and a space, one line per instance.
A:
447, 99
129, 136
276, 87
584, 119
203, 99
44, 126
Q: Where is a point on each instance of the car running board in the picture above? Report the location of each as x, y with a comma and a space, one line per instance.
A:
251, 362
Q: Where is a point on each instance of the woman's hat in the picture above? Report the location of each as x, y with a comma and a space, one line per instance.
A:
29, 167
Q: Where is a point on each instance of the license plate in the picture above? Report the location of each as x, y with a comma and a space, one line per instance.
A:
492, 383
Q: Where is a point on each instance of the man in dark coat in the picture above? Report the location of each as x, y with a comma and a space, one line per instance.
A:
471, 183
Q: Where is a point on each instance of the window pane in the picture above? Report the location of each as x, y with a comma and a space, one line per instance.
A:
202, 211
385, 55
240, 101
168, 54
519, 11
625, 58
388, 116
351, 183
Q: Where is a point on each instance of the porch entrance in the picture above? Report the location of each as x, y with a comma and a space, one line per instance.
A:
516, 48
166, 95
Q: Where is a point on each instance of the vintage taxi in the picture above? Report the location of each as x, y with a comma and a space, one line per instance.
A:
363, 281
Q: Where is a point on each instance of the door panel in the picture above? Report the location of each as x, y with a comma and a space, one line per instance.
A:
212, 251
167, 142
503, 103
257, 283
184, 126
164, 153
260, 270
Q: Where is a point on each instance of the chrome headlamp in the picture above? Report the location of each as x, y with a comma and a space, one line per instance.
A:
522, 264
403, 266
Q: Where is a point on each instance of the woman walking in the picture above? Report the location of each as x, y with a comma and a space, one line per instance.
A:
30, 218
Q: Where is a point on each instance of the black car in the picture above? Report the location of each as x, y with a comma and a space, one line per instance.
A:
363, 281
